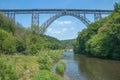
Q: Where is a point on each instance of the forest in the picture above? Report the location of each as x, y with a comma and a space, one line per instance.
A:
101, 38
14, 38
68, 43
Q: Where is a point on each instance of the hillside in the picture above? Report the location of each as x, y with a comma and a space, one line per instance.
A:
14, 38
101, 38
68, 43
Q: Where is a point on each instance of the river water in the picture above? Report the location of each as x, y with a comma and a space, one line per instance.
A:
81, 67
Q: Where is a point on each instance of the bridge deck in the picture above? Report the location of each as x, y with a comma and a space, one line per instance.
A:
54, 11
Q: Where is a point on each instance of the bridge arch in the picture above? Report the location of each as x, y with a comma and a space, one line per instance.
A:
53, 18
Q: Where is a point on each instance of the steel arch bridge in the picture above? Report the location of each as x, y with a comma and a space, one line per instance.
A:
77, 13
53, 18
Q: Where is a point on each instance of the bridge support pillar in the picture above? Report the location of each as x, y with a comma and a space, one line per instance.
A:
35, 18
11, 16
97, 16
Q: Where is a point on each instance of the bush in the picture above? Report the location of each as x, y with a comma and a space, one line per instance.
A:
61, 67
7, 72
7, 42
46, 75
9, 45
32, 49
20, 46
55, 54
45, 61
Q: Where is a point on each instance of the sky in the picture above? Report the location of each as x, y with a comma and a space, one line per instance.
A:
66, 27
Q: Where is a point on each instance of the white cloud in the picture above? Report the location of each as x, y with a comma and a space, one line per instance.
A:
53, 31
56, 32
50, 30
63, 22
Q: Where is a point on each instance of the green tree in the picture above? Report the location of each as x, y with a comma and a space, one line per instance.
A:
117, 7
7, 42
9, 45
20, 45
3, 35
7, 24
101, 38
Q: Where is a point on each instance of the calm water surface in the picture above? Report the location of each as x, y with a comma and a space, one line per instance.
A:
80, 67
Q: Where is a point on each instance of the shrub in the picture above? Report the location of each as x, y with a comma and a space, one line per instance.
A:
7, 72
32, 49
61, 67
20, 46
9, 45
46, 75
45, 62
7, 42
55, 54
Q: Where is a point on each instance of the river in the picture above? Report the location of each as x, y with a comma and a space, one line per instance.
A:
81, 67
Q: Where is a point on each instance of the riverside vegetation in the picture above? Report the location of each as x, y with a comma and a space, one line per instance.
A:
21, 67
26, 54
61, 67
101, 38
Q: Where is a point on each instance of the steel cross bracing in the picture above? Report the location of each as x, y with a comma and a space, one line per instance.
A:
10, 13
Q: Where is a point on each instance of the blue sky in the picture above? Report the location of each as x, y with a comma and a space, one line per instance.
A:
66, 27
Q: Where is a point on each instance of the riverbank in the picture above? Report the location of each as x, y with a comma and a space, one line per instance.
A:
26, 67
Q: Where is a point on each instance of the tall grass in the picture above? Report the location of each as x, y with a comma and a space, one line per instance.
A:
24, 66
46, 75
7, 71
27, 66
61, 67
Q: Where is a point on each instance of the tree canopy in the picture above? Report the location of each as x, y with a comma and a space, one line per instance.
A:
14, 38
101, 38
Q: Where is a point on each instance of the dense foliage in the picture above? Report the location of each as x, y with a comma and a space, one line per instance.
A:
61, 67
7, 72
68, 43
14, 38
7, 24
21, 67
46, 61
101, 38
46, 75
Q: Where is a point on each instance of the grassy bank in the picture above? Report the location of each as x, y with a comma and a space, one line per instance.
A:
30, 67
61, 67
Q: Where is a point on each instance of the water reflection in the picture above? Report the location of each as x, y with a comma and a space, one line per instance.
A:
72, 69
80, 67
